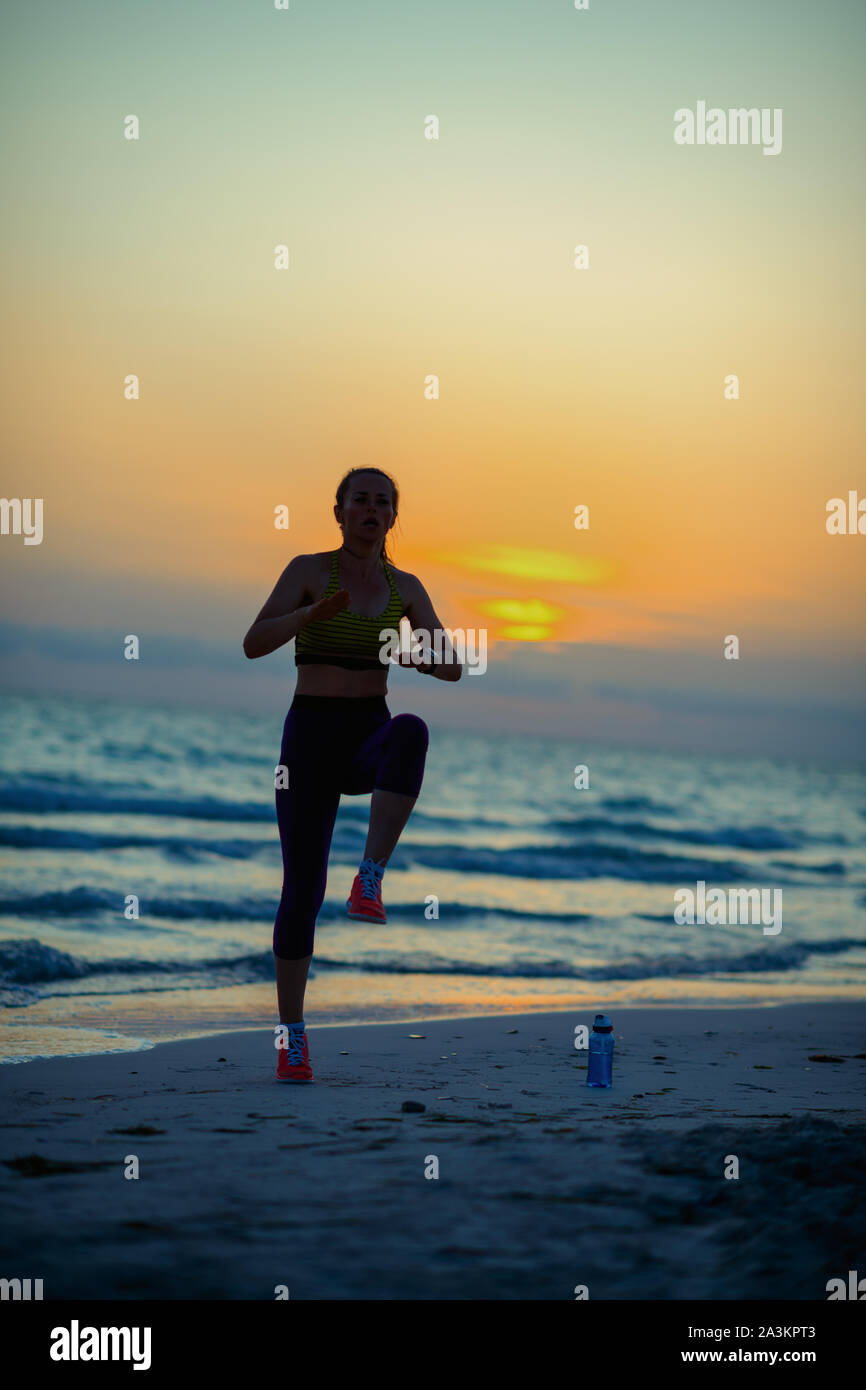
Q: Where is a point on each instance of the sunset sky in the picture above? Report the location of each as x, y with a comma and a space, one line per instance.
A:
454, 257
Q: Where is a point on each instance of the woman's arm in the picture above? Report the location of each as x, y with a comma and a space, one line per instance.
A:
285, 613
424, 620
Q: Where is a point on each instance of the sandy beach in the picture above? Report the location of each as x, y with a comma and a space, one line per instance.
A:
543, 1184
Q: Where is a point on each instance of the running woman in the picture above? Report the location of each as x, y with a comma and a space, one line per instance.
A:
339, 736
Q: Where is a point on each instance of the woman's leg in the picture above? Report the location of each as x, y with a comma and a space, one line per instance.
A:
306, 812
391, 764
389, 812
291, 987
306, 824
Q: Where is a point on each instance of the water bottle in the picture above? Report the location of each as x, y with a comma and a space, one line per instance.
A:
599, 1072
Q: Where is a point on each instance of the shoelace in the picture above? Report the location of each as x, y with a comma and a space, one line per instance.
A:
371, 877
295, 1048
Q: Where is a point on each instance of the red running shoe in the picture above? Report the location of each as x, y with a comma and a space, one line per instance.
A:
365, 900
293, 1063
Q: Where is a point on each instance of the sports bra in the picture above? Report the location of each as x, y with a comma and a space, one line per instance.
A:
349, 639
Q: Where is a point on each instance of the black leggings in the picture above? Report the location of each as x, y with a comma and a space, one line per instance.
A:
333, 746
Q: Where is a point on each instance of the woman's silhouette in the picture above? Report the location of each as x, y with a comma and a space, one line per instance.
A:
339, 736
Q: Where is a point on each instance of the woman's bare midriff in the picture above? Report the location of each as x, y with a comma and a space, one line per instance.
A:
337, 681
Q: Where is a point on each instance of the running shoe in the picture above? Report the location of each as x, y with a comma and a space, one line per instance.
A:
365, 900
293, 1063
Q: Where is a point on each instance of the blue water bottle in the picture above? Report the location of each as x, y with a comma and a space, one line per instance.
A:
599, 1072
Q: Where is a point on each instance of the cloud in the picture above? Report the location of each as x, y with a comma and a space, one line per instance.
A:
644, 697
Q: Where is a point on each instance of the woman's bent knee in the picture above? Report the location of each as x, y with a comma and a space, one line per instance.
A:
411, 730
402, 768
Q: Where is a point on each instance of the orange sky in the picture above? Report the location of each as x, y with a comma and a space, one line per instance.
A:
409, 258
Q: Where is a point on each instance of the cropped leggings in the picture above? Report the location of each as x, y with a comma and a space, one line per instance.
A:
333, 746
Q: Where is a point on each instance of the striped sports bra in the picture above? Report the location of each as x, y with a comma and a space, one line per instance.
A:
349, 639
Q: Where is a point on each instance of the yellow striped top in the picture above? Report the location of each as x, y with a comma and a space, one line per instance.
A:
349, 639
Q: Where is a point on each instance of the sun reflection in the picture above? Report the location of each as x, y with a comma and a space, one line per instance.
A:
522, 610
555, 566
527, 619
527, 632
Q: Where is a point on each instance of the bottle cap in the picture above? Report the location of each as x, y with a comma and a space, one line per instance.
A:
602, 1024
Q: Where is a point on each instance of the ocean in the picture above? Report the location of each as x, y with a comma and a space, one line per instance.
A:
510, 889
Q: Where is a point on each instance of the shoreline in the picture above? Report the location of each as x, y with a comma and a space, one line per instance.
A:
132, 1044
